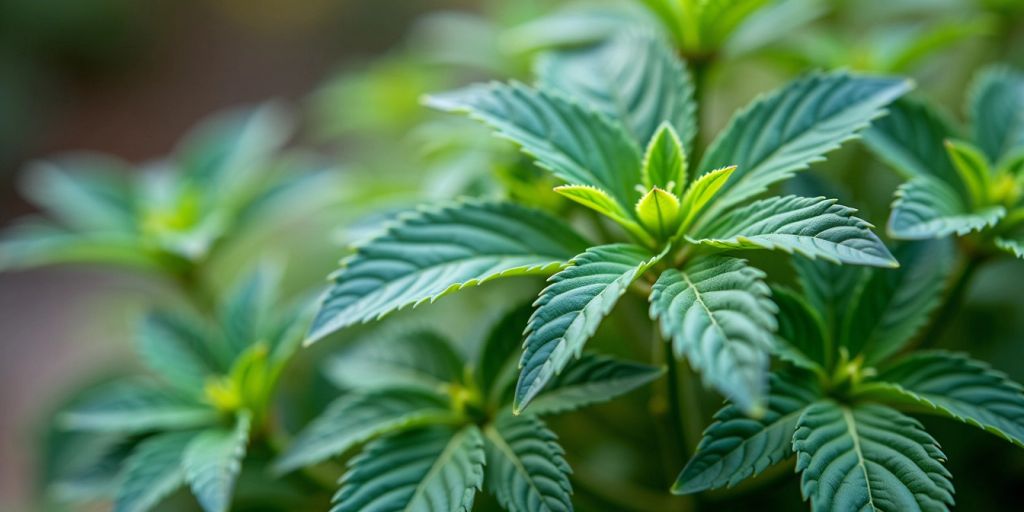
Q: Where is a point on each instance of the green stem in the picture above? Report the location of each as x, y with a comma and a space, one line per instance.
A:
674, 396
692, 417
699, 67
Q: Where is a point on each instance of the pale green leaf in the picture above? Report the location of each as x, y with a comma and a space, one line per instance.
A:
634, 78
910, 139
597, 200
869, 457
954, 385
736, 446
526, 469
212, 462
658, 212
35, 243
590, 380
152, 472
178, 349
720, 18
813, 227
792, 128
425, 470
718, 313
972, 169
893, 305
665, 161
1012, 244
86, 192
579, 146
928, 208
997, 111
248, 309
136, 406
397, 359
700, 193
354, 419
571, 308
434, 251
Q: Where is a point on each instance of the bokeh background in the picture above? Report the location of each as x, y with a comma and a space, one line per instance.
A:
130, 78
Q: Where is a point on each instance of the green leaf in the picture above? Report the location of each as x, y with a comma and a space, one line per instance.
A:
579, 146
590, 380
526, 469
956, 386
152, 472
665, 161
720, 18
435, 251
829, 289
997, 111
430, 470
35, 243
973, 170
571, 308
718, 313
634, 78
212, 463
803, 337
498, 360
248, 308
178, 349
658, 212
354, 419
928, 208
736, 447
599, 201
86, 192
1012, 244
911, 140
869, 457
792, 128
813, 227
893, 305
700, 193
136, 406
398, 359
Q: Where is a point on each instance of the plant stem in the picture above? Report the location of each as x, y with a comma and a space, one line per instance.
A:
692, 417
954, 299
673, 398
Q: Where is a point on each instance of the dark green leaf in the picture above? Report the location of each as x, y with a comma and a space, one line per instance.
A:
525, 466
590, 380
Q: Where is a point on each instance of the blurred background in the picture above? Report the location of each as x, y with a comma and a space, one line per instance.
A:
131, 78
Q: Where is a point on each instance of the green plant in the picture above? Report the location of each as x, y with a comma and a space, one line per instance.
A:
839, 406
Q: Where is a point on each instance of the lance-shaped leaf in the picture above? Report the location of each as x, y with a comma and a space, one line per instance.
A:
700, 193
153, 471
590, 380
86, 192
599, 201
813, 227
997, 111
136, 406
634, 78
578, 145
892, 305
658, 212
956, 386
1012, 244
247, 310
928, 208
406, 359
794, 127
571, 308
354, 419
34, 243
177, 349
736, 447
498, 360
212, 462
910, 139
526, 469
718, 313
869, 457
665, 161
434, 470
829, 289
434, 251
972, 169
803, 337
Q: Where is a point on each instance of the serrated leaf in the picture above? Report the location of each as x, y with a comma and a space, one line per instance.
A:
578, 145
795, 126
178, 349
829, 289
571, 308
435, 251
212, 462
634, 78
498, 360
397, 359
658, 211
718, 313
893, 305
956, 386
910, 139
354, 419
590, 380
928, 208
700, 193
869, 457
736, 447
431, 470
1012, 244
972, 169
665, 161
88, 192
248, 308
997, 111
803, 336
526, 469
136, 406
152, 472
813, 227
597, 200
